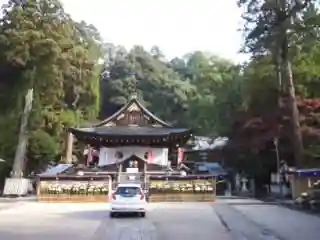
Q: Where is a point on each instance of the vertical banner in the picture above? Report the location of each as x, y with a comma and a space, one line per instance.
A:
103, 155
150, 156
180, 155
88, 154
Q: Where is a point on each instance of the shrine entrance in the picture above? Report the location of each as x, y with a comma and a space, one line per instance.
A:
133, 162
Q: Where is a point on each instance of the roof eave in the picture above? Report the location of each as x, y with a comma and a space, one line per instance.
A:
76, 131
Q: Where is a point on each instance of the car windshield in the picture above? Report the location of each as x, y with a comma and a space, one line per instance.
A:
128, 191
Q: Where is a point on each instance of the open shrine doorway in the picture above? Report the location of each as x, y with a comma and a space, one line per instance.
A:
134, 162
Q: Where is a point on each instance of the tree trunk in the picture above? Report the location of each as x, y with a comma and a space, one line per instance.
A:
290, 92
19, 159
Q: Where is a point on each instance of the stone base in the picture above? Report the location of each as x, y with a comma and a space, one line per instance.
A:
72, 198
16, 187
182, 197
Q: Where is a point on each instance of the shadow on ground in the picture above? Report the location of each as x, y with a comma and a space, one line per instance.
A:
232, 197
38, 235
236, 200
96, 215
252, 203
278, 202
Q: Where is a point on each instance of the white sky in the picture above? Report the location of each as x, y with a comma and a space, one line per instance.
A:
176, 26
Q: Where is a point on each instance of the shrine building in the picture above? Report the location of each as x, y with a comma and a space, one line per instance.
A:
132, 139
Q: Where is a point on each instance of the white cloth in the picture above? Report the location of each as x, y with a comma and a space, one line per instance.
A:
157, 156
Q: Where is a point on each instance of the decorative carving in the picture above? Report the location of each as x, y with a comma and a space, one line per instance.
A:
133, 108
110, 124
133, 118
135, 164
122, 115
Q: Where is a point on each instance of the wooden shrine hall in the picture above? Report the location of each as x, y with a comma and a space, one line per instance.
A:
132, 137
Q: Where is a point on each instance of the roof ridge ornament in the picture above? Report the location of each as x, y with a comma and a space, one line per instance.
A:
133, 96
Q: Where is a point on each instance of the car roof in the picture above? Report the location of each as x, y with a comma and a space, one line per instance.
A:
128, 185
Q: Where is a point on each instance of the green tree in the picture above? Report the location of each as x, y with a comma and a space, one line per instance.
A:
44, 49
274, 23
41, 149
218, 88
160, 87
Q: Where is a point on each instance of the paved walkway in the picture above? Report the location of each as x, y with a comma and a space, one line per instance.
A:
7, 203
226, 219
169, 221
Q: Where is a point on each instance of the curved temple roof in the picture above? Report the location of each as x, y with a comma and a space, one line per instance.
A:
133, 120
127, 136
129, 131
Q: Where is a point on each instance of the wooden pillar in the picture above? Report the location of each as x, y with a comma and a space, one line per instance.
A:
38, 188
69, 147
119, 172
89, 156
145, 167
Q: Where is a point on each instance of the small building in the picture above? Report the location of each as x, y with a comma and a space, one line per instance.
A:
302, 180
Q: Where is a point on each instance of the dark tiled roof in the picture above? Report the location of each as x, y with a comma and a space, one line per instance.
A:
129, 131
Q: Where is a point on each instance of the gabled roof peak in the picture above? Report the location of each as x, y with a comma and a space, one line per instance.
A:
133, 113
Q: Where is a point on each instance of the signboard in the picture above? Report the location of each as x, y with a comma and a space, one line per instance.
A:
132, 170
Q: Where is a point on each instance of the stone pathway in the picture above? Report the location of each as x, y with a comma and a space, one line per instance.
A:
7, 203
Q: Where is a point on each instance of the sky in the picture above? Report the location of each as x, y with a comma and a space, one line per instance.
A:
176, 26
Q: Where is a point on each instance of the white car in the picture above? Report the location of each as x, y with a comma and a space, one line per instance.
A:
128, 198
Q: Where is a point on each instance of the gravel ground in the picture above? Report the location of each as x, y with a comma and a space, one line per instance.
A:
237, 219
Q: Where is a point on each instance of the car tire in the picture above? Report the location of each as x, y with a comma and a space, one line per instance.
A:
112, 215
142, 214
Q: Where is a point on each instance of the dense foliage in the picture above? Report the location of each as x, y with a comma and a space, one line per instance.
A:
78, 78
44, 49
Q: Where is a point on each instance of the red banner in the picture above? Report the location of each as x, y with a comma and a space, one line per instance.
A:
180, 155
150, 157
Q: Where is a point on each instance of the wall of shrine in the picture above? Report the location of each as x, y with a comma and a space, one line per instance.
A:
110, 156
